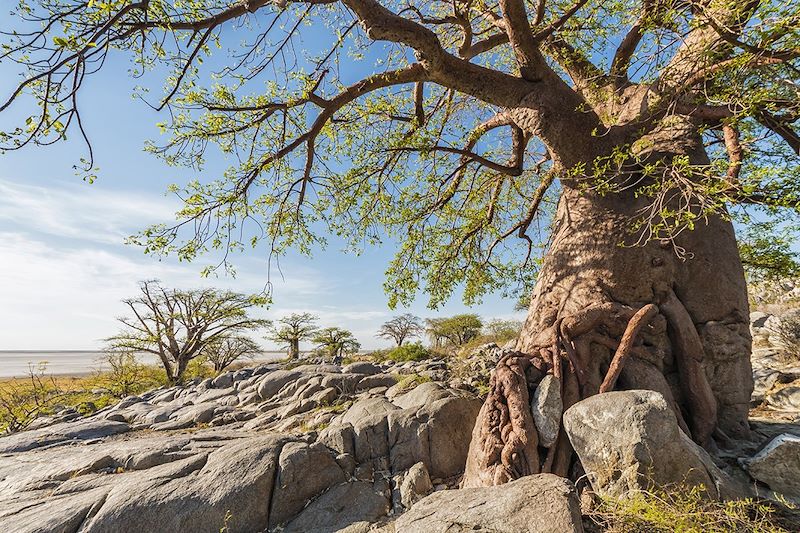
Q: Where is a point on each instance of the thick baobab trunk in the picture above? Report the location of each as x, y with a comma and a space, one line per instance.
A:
178, 371
690, 341
294, 349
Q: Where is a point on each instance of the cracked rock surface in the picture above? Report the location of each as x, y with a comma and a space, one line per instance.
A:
313, 448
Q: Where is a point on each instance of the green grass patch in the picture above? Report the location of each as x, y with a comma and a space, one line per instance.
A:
687, 510
406, 382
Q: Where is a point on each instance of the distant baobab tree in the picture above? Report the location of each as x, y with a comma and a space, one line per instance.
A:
402, 327
180, 325
291, 330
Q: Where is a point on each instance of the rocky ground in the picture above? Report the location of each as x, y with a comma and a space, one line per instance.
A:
309, 448
364, 447
777, 376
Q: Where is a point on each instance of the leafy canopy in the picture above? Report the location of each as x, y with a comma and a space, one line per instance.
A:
446, 127
455, 330
336, 342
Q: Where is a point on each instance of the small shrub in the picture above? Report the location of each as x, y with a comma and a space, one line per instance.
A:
24, 400
305, 427
123, 375
337, 407
226, 520
409, 352
198, 368
788, 332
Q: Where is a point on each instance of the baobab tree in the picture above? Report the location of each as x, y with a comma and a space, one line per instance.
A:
454, 330
401, 327
178, 326
224, 351
292, 330
335, 342
639, 127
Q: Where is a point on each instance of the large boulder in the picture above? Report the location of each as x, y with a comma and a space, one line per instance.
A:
630, 440
376, 380
414, 485
223, 381
305, 472
198, 482
366, 408
423, 394
450, 422
340, 507
274, 381
344, 383
437, 434
362, 367
778, 465
339, 437
230, 488
542, 503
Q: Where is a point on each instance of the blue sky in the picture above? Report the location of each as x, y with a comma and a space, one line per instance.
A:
63, 264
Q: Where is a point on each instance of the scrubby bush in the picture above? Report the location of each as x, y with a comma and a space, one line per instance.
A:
199, 368
123, 375
410, 381
409, 352
24, 400
500, 331
787, 330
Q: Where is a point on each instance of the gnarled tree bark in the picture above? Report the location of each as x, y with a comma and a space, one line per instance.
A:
689, 340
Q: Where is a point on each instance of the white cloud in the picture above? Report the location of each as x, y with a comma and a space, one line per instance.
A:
64, 269
81, 211
54, 296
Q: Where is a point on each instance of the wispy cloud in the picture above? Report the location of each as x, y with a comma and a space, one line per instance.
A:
64, 269
65, 266
81, 211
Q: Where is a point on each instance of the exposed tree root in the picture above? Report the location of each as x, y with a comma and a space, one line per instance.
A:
507, 436
642, 317
570, 395
575, 351
689, 355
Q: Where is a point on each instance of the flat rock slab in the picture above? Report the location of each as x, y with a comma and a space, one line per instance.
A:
144, 465
778, 465
542, 503
58, 433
